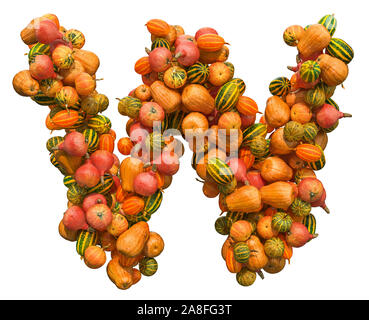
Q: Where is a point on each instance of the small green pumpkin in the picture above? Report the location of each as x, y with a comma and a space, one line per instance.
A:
246, 277
300, 207
310, 223
53, 142
318, 165
223, 225
253, 131
228, 188
160, 43
240, 84
219, 171
293, 131
281, 222
101, 124
310, 71
198, 73
310, 131
274, 247
330, 22
154, 142
76, 194
280, 86
259, 147
241, 252
315, 97
341, 50
92, 139
129, 106
148, 266
69, 181
85, 239
227, 97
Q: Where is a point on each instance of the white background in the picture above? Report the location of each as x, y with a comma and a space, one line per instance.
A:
37, 263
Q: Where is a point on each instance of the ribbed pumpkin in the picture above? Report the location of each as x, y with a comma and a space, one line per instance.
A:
334, 71
85, 239
248, 158
259, 147
278, 194
142, 66
280, 86
315, 39
102, 101
255, 130
50, 87
274, 247
38, 49
247, 106
227, 97
103, 187
281, 222
219, 171
308, 152
340, 49
133, 205
175, 77
223, 225
310, 71
310, 223
130, 107
101, 124
330, 22
92, 139
148, 266
62, 57
85, 84
69, 181
300, 207
76, 194
210, 42
158, 27
42, 99
241, 252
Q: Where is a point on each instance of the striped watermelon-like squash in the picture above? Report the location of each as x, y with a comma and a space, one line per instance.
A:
160, 43
69, 181
280, 86
176, 119
148, 266
210, 42
68, 98
80, 122
101, 124
319, 164
53, 142
340, 49
230, 67
106, 142
330, 22
219, 171
247, 106
103, 187
198, 73
43, 100
241, 252
153, 202
85, 239
281, 222
240, 84
56, 164
315, 97
308, 152
133, 205
310, 71
142, 66
310, 131
255, 130
92, 139
310, 223
227, 97
76, 194
76, 38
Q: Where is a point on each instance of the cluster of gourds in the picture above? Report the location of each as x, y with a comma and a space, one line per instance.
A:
62, 75
266, 186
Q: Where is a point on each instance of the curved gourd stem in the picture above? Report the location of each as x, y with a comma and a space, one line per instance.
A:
260, 274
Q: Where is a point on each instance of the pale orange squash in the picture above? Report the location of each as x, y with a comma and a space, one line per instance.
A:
196, 98
129, 169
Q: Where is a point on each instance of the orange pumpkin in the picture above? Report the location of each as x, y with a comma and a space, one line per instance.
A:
275, 169
300, 112
143, 93
85, 84
133, 205
132, 241
129, 169
264, 228
245, 199
277, 112
247, 106
231, 263
308, 152
62, 57
50, 87
70, 75
65, 118
125, 146
94, 257
25, 85
248, 158
241, 230
217, 56
314, 40
142, 66
67, 234
210, 42
278, 145
168, 99
295, 97
258, 258
195, 123
88, 59
106, 142
195, 97
333, 70
278, 194
158, 27
118, 275
118, 225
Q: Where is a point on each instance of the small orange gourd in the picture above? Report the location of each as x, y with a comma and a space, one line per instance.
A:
258, 258
277, 112
278, 194
129, 169
275, 169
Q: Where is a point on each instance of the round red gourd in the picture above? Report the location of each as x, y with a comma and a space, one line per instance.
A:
150, 113
205, 30
138, 132
239, 169
187, 53
47, 32
255, 179
103, 160
310, 189
328, 115
42, 68
92, 199
74, 219
145, 183
87, 175
167, 163
321, 202
160, 59
99, 216
74, 144
298, 235
94, 257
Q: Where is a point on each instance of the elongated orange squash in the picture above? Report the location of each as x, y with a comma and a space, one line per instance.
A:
308, 152
129, 169
278, 194
132, 241
245, 199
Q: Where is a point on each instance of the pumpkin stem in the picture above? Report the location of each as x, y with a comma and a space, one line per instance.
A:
326, 209
102, 179
293, 69
99, 79
118, 99
178, 55
347, 115
202, 181
260, 274
148, 51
